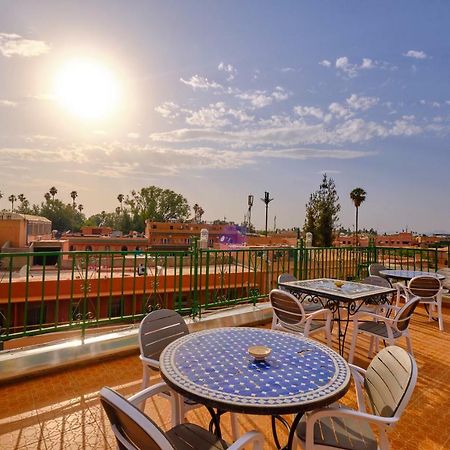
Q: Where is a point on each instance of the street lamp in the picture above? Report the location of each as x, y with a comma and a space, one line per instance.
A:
250, 204
267, 200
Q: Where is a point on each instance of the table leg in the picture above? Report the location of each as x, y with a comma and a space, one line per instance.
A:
214, 424
274, 429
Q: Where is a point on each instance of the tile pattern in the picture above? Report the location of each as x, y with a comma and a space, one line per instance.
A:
62, 410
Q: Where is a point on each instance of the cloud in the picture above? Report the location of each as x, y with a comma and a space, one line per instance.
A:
229, 69
133, 135
260, 99
361, 103
216, 115
416, 54
8, 103
16, 45
343, 65
169, 110
325, 63
202, 83
339, 110
305, 111
287, 69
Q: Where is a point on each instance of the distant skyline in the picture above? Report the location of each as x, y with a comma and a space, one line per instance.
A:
219, 100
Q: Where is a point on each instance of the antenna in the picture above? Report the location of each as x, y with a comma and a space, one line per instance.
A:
267, 200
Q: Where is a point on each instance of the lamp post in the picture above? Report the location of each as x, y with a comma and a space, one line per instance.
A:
267, 200
250, 204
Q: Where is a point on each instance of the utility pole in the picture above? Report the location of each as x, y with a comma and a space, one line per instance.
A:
267, 200
250, 204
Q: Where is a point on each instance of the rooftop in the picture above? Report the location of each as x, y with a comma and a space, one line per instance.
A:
62, 410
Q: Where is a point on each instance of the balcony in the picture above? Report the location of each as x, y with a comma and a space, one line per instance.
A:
61, 409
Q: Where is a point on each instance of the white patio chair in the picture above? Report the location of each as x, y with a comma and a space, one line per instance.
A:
384, 327
289, 315
375, 280
157, 330
387, 384
430, 291
308, 305
374, 270
135, 430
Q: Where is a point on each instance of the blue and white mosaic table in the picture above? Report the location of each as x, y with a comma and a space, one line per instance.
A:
409, 274
213, 367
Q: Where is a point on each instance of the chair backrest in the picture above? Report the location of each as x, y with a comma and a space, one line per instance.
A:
374, 269
424, 286
375, 280
287, 309
158, 329
285, 278
131, 427
404, 314
390, 380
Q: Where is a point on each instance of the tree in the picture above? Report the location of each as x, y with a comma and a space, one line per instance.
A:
24, 207
47, 196
80, 207
358, 195
121, 198
157, 205
12, 198
53, 191
322, 213
74, 195
62, 216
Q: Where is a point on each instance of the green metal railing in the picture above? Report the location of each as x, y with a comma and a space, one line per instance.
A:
45, 292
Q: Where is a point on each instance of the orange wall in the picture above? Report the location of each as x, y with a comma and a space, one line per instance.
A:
13, 231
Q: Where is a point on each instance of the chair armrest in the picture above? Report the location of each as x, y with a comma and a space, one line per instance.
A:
380, 317
358, 374
155, 389
251, 436
319, 312
150, 362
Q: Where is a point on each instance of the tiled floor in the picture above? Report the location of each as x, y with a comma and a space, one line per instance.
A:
62, 411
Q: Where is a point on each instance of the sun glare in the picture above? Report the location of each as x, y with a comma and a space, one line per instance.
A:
87, 89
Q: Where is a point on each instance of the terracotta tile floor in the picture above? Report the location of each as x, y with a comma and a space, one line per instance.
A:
62, 410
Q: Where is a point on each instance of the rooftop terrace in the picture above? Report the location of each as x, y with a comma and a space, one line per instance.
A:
61, 409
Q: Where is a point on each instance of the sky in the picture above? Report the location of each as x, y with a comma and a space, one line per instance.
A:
219, 100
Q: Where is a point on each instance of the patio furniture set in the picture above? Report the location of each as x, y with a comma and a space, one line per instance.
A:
297, 375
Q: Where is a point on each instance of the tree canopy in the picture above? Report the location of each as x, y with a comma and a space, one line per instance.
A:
322, 212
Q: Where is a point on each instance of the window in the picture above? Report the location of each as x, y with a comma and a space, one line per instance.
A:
154, 227
124, 248
88, 248
171, 227
71, 248
107, 248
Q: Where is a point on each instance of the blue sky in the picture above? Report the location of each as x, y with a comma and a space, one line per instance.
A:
224, 99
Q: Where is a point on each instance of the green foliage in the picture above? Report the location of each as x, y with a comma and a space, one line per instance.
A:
322, 213
157, 205
64, 217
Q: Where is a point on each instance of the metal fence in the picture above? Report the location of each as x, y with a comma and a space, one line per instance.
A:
45, 292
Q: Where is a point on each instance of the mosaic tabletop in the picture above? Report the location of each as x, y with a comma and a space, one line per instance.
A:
339, 289
408, 274
214, 368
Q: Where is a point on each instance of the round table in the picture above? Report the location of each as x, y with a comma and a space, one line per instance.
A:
214, 368
409, 274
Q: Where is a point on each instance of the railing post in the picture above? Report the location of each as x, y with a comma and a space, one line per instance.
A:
301, 257
195, 306
436, 259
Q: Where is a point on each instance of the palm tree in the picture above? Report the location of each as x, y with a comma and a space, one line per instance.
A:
196, 208
201, 211
47, 196
358, 195
120, 197
74, 195
80, 208
53, 191
12, 198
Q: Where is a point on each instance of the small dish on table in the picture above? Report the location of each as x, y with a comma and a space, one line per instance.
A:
259, 352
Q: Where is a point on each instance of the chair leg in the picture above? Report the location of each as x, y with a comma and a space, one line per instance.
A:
145, 382
409, 344
440, 318
234, 426
353, 344
371, 344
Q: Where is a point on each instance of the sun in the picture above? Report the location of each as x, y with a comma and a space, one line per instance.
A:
87, 89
